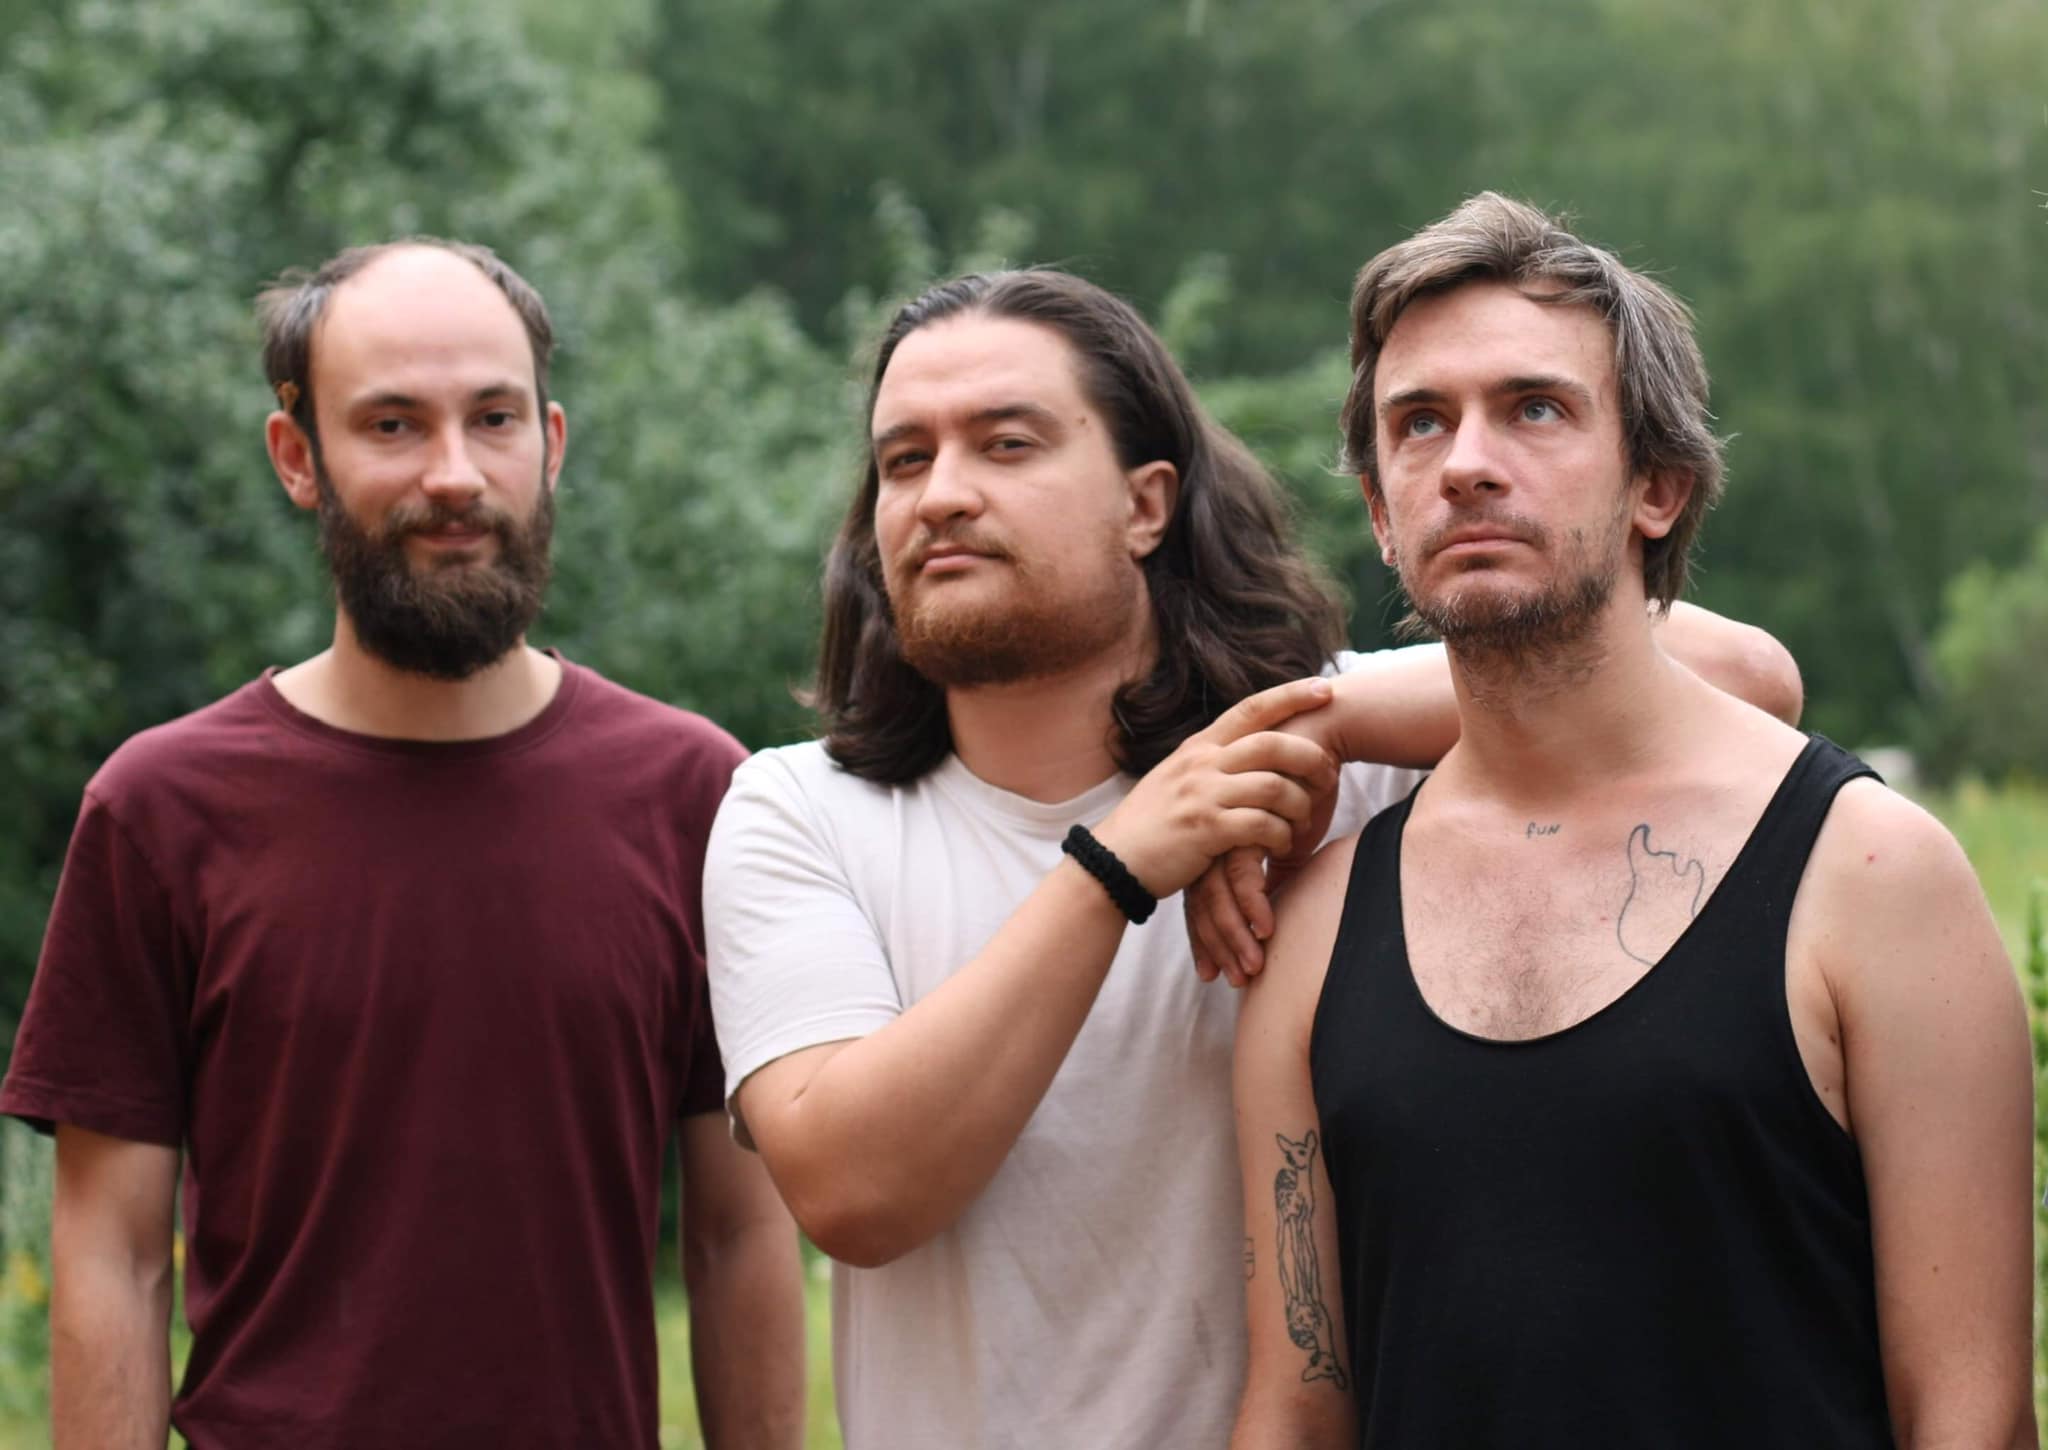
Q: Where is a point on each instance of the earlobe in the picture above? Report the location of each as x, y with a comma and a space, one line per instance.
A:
1155, 493
291, 456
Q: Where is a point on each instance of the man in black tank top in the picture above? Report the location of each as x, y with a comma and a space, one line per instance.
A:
1654, 1076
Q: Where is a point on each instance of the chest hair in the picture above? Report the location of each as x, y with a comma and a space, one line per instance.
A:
1515, 934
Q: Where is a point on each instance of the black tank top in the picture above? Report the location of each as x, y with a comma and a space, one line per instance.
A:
1642, 1230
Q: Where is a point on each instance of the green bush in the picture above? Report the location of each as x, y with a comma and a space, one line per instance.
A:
1990, 654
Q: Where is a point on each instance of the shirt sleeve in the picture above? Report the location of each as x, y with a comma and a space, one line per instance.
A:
103, 1043
795, 960
1364, 787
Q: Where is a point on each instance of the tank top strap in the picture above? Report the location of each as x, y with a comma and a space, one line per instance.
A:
1369, 959
1768, 869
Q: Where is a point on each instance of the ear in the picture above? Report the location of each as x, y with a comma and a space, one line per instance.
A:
291, 455
1376, 508
556, 426
1155, 492
1661, 498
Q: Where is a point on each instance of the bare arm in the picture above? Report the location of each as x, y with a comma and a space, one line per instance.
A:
1298, 1392
110, 1299
881, 1142
1939, 1093
745, 1280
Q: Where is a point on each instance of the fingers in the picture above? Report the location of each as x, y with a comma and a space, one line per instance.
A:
1246, 873
1308, 762
1267, 792
1206, 905
1268, 708
1253, 826
1217, 929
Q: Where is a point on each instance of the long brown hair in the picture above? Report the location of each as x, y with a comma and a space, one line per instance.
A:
1237, 605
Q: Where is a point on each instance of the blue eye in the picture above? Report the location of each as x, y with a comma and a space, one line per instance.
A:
1539, 410
1422, 425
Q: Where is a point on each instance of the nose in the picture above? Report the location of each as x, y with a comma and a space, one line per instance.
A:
452, 476
1472, 467
951, 489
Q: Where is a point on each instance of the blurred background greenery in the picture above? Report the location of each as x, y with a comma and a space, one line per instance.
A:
720, 198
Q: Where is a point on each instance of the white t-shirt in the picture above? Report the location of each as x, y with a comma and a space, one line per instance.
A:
1093, 1295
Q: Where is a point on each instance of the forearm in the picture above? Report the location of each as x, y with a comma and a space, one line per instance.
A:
1399, 712
1286, 1419
110, 1378
890, 1139
747, 1337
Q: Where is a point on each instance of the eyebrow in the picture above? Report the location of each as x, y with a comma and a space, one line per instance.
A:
1507, 387
490, 392
1031, 412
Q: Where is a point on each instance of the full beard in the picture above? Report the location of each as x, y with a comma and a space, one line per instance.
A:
1552, 631
444, 622
1483, 622
1029, 633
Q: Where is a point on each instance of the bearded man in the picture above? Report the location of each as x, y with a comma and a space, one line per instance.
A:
1064, 611
1652, 1075
400, 950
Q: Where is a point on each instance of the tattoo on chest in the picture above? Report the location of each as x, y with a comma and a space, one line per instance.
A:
1301, 1275
1537, 829
1664, 894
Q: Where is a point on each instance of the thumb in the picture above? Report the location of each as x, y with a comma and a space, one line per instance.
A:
1268, 708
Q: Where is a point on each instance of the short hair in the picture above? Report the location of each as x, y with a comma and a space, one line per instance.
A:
1659, 373
290, 309
1237, 606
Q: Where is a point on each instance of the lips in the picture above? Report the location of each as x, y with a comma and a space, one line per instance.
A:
1478, 536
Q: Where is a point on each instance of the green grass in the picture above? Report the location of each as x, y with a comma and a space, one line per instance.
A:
679, 1404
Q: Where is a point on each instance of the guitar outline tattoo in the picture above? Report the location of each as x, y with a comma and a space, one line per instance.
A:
1656, 890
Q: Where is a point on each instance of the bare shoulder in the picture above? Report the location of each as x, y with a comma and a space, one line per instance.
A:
1305, 923
1889, 893
1879, 850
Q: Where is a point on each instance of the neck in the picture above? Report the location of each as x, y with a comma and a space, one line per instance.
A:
1547, 722
1046, 739
351, 689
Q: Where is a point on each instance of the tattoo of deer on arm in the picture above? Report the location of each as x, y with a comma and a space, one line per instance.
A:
1301, 1274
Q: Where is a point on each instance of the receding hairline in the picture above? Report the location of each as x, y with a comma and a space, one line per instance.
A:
395, 252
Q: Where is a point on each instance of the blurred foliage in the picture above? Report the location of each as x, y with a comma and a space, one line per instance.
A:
1992, 658
720, 197
1846, 188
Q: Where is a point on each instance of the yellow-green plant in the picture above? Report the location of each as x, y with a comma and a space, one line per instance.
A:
2034, 978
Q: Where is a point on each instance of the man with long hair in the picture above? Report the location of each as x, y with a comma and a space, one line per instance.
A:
1062, 616
1652, 1075
395, 956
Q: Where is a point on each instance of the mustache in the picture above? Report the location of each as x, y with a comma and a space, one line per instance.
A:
1507, 524
412, 518
921, 548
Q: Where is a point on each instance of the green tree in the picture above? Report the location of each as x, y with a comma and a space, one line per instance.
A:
1989, 654
178, 157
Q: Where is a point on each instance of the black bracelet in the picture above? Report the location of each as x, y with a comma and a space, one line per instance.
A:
1126, 890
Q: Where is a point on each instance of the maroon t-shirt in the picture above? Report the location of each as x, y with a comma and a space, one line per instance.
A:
422, 1016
